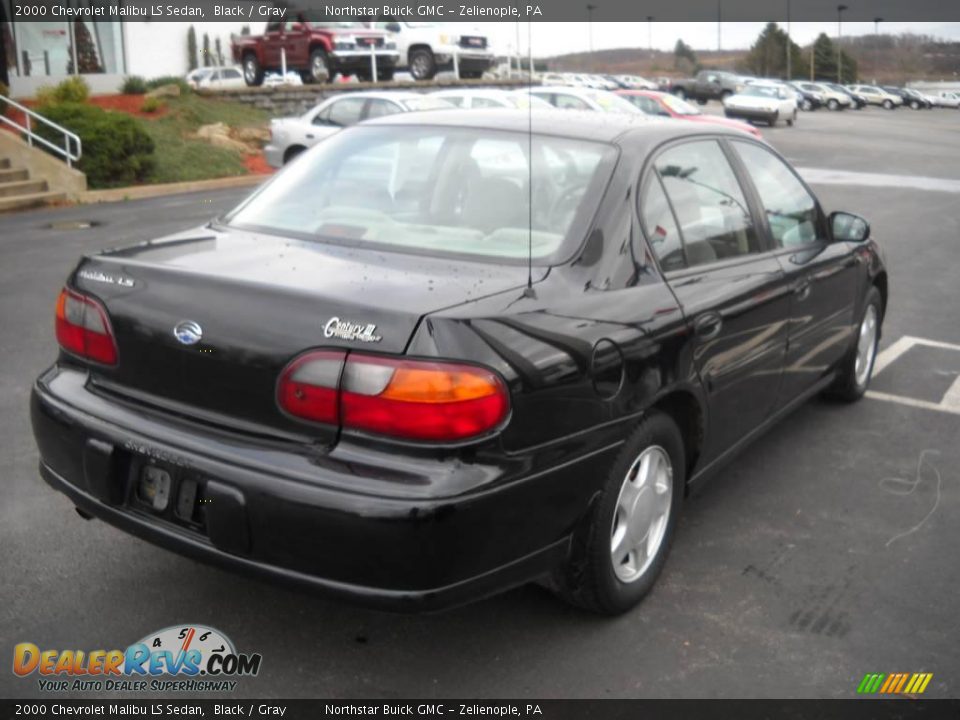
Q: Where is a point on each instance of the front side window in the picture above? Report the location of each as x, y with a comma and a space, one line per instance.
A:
713, 214
439, 190
569, 102
791, 210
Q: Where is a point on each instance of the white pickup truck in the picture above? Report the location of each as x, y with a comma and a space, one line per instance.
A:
428, 48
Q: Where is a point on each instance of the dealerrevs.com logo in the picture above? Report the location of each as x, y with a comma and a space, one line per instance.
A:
189, 658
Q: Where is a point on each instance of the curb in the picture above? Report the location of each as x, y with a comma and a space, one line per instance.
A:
139, 192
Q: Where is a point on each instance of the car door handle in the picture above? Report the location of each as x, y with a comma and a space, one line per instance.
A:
707, 327
802, 291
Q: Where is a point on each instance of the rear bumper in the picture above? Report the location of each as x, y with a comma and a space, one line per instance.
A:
748, 114
292, 517
274, 155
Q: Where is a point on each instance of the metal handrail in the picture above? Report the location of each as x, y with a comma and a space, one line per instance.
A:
66, 151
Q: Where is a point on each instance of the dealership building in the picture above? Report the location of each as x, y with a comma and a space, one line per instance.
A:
33, 54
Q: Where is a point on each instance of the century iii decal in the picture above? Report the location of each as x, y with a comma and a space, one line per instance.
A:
345, 330
894, 683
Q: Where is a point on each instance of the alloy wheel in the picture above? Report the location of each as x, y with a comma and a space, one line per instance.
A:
866, 346
642, 513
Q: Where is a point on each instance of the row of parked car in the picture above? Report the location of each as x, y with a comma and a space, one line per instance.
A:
291, 136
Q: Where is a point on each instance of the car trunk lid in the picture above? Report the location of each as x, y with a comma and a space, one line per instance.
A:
205, 322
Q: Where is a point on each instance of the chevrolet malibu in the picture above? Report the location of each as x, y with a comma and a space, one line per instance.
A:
449, 353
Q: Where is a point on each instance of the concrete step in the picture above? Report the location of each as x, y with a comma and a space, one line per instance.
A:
22, 202
13, 174
22, 187
4, 163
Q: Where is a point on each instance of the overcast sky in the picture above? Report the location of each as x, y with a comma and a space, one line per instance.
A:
560, 38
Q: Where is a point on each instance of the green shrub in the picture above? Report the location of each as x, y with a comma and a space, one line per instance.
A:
71, 90
151, 105
134, 85
117, 150
169, 80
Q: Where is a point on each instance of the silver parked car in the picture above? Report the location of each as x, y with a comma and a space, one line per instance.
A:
291, 136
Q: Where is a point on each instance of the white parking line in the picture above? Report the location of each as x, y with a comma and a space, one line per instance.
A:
949, 403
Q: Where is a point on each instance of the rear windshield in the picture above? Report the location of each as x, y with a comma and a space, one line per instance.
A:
438, 190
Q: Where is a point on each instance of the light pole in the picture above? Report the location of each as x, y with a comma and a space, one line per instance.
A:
719, 25
590, 9
876, 41
650, 35
840, 9
789, 54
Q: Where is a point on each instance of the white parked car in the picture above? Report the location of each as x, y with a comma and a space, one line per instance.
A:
472, 99
581, 98
635, 82
553, 79
877, 96
832, 99
428, 48
948, 99
291, 136
216, 78
276, 79
767, 102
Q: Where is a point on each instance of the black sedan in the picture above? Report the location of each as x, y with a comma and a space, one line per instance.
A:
440, 356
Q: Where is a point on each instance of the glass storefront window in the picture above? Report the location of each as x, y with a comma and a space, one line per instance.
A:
33, 49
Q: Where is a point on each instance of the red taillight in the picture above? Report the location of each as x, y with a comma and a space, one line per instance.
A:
407, 399
84, 329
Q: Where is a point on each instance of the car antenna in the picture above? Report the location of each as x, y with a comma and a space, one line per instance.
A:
529, 292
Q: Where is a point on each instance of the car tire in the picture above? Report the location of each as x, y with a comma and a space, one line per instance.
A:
320, 66
292, 152
772, 120
832, 104
645, 485
252, 70
915, 105
423, 66
791, 121
806, 105
888, 104
856, 369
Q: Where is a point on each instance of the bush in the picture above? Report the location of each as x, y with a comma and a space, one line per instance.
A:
134, 85
151, 105
117, 150
71, 90
169, 80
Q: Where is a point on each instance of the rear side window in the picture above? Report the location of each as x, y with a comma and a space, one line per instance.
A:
791, 211
342, 112
569, 102
661, 227
710, 207
380, 108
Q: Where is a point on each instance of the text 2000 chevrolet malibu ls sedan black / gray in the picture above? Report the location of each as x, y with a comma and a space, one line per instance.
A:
355, 381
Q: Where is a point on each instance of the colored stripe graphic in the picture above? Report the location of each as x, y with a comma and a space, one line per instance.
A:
894, 683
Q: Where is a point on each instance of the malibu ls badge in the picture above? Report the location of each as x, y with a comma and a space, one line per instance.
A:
360, 332
187, 332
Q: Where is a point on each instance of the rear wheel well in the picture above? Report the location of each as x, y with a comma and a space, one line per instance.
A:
291, 152
880, 282
685, 411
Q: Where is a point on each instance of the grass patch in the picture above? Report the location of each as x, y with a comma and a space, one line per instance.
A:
180, 158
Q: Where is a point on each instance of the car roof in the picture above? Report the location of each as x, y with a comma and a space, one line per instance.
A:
575, 124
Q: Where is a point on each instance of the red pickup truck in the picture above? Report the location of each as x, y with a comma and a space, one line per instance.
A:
318, 51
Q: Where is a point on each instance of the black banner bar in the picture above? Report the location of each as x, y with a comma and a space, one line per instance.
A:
487, 10
859, 709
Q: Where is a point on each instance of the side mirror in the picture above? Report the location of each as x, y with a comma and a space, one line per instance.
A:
847, 227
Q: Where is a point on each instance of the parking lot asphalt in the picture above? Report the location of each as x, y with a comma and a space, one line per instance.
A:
826, 551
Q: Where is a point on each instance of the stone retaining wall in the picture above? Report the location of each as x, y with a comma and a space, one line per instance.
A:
287, 101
